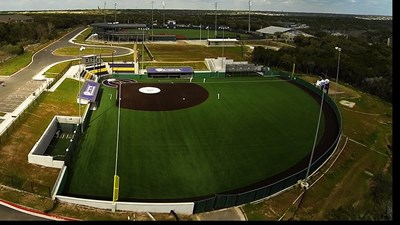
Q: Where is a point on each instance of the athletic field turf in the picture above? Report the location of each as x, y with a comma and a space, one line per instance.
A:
258, 128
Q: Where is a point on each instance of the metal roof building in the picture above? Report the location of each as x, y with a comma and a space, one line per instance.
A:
286, 34
222, 42
273, 29
119, 31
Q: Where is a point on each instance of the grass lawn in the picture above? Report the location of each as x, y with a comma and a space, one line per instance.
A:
195, 33
216, 146
179, 53
74, 51
15, 64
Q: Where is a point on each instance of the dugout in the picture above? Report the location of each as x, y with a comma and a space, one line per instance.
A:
180, 72
240, 69
222, 42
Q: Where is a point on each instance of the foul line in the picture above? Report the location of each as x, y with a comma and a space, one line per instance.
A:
368, 148
316, 179
368, 114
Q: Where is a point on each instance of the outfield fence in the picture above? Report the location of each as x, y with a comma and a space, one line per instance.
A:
271, 187
221, 201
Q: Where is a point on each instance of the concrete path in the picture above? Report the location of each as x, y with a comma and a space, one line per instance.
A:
230, 214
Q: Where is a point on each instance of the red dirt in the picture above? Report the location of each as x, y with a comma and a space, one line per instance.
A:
173, 96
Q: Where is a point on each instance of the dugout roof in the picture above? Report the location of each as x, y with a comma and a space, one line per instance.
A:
119, 25
89, 90
159, 70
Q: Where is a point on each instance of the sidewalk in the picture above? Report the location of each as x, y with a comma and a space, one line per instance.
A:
230, 214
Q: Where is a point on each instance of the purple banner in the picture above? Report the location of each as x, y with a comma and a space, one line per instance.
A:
169, 70
89, 90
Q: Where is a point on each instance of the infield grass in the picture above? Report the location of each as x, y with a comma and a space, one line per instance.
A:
258, 128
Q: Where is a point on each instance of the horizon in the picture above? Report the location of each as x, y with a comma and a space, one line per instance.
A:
340, 7
227, 10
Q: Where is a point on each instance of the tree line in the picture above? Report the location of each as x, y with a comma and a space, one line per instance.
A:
364, 65
366, 61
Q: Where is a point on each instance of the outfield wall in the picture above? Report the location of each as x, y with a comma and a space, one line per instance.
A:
180, 208
225, 200
208, 75
221, 201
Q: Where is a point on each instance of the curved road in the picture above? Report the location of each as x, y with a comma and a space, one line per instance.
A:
40, 61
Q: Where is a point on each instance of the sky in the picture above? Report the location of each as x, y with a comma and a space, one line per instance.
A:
360, 7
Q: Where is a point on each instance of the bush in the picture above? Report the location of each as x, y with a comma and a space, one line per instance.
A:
13, 49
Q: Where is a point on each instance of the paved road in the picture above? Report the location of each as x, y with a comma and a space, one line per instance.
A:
42, 59
7, 214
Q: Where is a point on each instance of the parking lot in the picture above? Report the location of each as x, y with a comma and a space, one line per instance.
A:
13, 100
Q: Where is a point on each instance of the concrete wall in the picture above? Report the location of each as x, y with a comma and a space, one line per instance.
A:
36, 156
58, 182
44, 160
41, 145
180, 208
68, 119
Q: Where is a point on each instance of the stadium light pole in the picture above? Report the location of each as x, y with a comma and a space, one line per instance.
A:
163, 4
105, 12
223, 41
216, 6
249, 15
316, 134
337, 71
115, 12
200, 32
79, 86
152, 3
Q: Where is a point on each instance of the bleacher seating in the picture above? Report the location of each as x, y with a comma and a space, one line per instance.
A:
122, 67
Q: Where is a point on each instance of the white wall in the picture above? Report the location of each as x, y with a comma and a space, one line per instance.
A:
180, 208
68, 119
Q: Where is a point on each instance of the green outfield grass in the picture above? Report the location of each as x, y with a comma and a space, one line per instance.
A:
74, 51
195, 33
258, 128
175, 53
